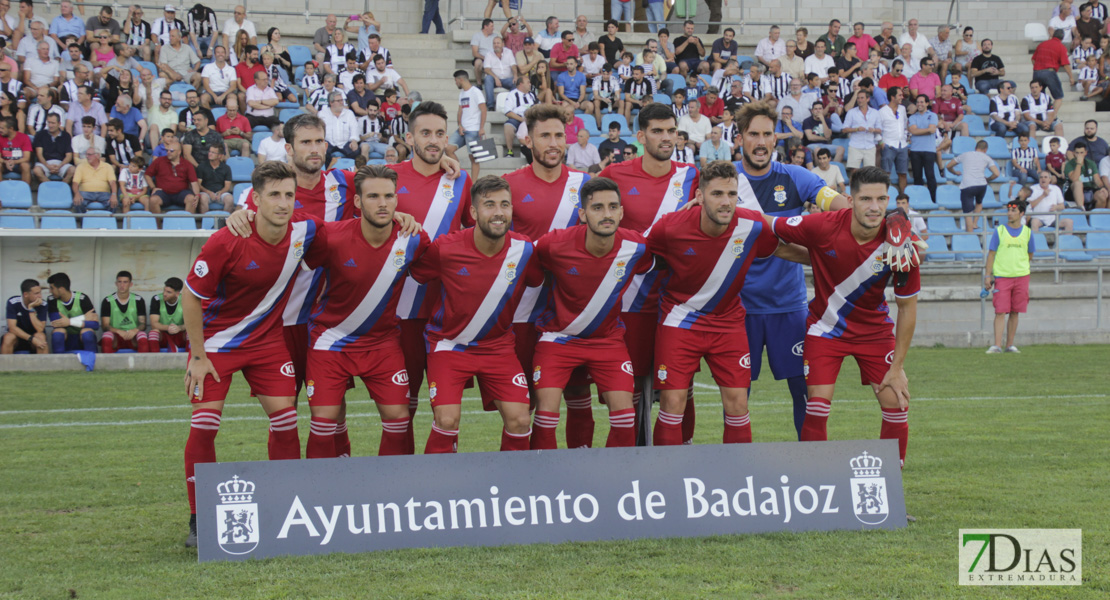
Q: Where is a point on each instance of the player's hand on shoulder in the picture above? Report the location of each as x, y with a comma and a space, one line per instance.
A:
239, 223
407, 223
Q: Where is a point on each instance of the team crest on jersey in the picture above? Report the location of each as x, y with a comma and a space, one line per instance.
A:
237, 516
432, 391
619, 271
310, 387
738, 247
448, 192
676, 189
298, 250
399, 259
572, 195
333, 193
201, 268
662, 373
510, 271
535, 375
780, 195
877, 265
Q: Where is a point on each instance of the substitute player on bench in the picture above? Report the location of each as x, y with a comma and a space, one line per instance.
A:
354, 325
591, 266
123, 316
483, 271
167, 319
849, 315
26, 317
72, 315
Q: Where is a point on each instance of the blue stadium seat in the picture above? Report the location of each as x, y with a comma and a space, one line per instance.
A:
286, 104
741, 59
16, 194
289, 113
661, 99
976, 127
1072, 250
1078, 220
149, 65
213, 219
180, 87
997, 148
938, 250
963, 80
591, 126
298, 74
345, 164
948, 197
99, 219
942, 225
990, 202
967, 247
920, 200
677, 81
892, 195
1041, 243
980, 104
1097, 243
218, 112
843, 170
179, 220
706, 79
963, 144
238, 190
605, 120
16, 220
1100, 219
140, 220
241, 168
300, 55
376, 161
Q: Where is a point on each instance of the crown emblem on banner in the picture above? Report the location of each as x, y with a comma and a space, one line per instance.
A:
866, 465
235, 491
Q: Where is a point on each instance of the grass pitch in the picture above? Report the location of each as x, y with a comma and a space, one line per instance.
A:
92, 502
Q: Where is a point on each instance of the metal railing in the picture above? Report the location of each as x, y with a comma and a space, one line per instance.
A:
342, 9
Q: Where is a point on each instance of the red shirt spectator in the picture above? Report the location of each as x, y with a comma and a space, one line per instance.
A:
390, 111
559, 53
223, 124
711, 110
246, 74
1050, 54
888, 81
170, 178
15, 147
948, 110
864, 43
572, 128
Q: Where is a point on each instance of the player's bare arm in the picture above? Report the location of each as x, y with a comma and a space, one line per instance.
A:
792, 253
895, 377
199, 365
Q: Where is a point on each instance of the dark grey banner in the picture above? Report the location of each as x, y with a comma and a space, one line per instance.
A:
261, 509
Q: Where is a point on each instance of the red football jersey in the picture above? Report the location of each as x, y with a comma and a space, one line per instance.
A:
358, 307
441, 205
702, 289
587, 289
645, 199
849, 279
479, 293
244, 284
948, 110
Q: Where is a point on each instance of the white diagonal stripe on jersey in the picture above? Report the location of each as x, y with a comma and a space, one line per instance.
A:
717, 278
298, 232
601, 294
839, 296
383, 283
490, 302
407, 307
527, 304
297, 297
561, 220
669, 203
746, 195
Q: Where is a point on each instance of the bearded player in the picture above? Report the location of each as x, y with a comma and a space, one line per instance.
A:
354, 326
167, 319
849, 315
233, 301
591, 266
483, 271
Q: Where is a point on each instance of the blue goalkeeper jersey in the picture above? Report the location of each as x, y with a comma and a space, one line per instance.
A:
775, 285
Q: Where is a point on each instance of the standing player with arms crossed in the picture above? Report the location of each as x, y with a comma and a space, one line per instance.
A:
483, 271
234, 299
354, 325
167, 320
72, 316
708, 249
545, 199
591, 265
651, 186
849, 315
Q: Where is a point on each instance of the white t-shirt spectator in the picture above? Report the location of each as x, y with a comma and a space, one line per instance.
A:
768, 50
582, 158
81, 146
921, 46
832, 176
1066, 24
1041, 203
272, 150
592, 67
698, 131
483, 42
341, 130
500, 66
254, 95
390, 76
820, 66
219, 79
231, 29
471, 113
1104, 167
42, 73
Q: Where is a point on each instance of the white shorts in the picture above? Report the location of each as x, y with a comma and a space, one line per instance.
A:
860, 158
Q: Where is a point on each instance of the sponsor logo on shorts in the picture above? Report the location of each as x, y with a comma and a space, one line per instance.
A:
201, 268
520, 380
432, 390
661, 373
890, 357
805, 368
626, 366
288, 370
746, 361
401, 377
794, 221
310, 387
797, 349
535, 375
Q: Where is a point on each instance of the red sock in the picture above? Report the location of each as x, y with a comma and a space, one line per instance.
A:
689, 418
817, 418
396, 437
580, 422
738, 429
106, 342
342, 440
636, 396
514, 441
543, 430
154, 340
896, 426
284, 442
668, 430
622, 433
200, 448
141, 344
321, 438
414, 403
442, 441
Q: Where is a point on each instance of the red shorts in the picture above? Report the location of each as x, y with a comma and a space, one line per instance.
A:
498, 372
179, 339
639, 339
381, 369
269, 372
297, 343
414, 349
606, 360
526, 339
678, 354
1011, 294
822, 358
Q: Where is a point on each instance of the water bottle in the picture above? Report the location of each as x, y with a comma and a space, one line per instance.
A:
984, 293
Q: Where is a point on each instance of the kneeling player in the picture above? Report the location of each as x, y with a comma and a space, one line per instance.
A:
167, 319
849, 315
708, 249
123, 316
592, 265
236, 293
72, 315
354, 326
484, 271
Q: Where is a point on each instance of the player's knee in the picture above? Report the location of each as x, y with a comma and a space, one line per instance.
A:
447, 421
518, 422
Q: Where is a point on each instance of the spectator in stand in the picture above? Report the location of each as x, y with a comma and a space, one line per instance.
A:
104, 20
823, 168
41, 70
137, 33
161, 27
965, 50
518, 102
1096, 146
168, 135
512, 35
360, 98
174, 181
768, 49
918, 42
1089, 80
689, 51
695, 124
335, 55
950, 112
1005, 113
925, 82
391, 109
922, 129
341, 129
1039, 110
1084, 182
666, 50
820, 63
373, 133
85, 107
218, 79
613, 143
66, 24
776, 83
1088, 25
248, 69
53, 151
94, 181
186, 119
239, 22
683, 152
863, 41
1023, 163
987, 69
895, 78
148, 89
132, 118
234, 128
123, 317
178, 61
68, 91
917, 223
15, 150
318, 100
26, 316
582, 36
196, 142
311, 80
637, 93
592, 62
261, 100
834, 42
848, 64
754, 89
1044, 202
942, 50
481, 45
896, 150
861, 124
561, 52
1098, 9
805, 48
88, 139
345, 77
133, 190
1054, 161
817, 132
499, 67
611, 45
973, 184
571, 86
607, 95
910, 67
529, 59
583, 155
471, 119
549, 36
322, 38
1050, 56
799, 101
203, 28
712, 106
715, 148
364, 26
373, 48
45, 104
273, 147
792, 64
1064, 21
215, 182
654, 14
122, 147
